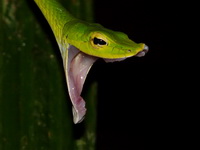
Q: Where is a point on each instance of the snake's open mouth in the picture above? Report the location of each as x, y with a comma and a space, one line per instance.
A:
77, 67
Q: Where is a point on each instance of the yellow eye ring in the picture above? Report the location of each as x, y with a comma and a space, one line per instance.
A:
98, 40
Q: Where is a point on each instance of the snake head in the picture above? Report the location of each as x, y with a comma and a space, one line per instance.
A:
83, 43
95, 40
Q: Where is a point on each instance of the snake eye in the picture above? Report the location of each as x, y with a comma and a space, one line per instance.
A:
98, 41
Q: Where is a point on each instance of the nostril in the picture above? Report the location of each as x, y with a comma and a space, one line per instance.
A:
129, 50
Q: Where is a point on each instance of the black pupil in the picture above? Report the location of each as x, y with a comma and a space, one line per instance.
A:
99, 41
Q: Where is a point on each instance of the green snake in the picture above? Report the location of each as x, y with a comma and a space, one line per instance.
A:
81, 44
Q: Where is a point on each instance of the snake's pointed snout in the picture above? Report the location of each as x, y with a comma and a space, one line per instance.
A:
143, 52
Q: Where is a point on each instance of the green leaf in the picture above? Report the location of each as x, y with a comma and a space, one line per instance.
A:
35, 109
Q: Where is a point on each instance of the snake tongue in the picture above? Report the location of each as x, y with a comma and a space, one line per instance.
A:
77, 67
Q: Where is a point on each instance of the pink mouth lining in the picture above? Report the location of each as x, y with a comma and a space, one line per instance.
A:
78, 67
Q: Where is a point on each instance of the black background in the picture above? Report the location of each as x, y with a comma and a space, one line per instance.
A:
142, 102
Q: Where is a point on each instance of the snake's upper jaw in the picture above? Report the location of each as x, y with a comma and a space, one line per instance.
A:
141, 53
77, 65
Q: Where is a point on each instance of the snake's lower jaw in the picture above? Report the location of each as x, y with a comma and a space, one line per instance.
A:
77, 65
143, 52
77, 116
